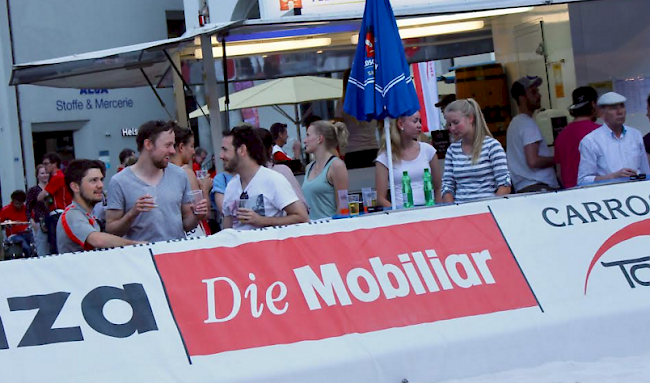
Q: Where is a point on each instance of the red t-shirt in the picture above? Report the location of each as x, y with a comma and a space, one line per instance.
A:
195, 166
57, 189
280, 157
10, 213
567, 153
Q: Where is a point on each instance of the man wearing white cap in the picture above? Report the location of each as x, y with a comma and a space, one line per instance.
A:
613, 150
529, 158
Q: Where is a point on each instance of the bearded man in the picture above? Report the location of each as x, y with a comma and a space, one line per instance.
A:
77, 229
150, 201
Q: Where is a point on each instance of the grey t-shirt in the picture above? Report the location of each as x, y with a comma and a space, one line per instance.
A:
73, 229
162, 223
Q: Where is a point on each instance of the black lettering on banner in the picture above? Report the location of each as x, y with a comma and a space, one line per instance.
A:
571, 213
4, 345
545, 216
633, 271
629, 205
596, 210
40, 332
616, 208
631, 276
142, 320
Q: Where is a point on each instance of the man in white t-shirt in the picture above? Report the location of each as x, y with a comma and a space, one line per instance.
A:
529, 159
256, 197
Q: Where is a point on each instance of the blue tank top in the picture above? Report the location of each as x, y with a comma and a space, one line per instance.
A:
319, 193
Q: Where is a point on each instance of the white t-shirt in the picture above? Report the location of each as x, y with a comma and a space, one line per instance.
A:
415, 168
523, 131
268, 194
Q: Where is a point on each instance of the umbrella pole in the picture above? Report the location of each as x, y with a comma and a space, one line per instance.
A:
389, 154
297, 111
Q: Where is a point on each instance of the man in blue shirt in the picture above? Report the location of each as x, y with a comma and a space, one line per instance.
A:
613, 150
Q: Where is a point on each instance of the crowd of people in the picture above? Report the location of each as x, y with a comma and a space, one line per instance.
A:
162, 192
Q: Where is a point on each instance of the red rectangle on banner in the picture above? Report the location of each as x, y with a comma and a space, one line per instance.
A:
321, 286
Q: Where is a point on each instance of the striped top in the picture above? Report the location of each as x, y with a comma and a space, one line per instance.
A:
470, 182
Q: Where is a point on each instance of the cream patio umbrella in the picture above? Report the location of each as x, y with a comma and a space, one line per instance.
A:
283, 91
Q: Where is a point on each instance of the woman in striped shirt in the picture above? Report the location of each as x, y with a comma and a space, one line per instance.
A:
476, 165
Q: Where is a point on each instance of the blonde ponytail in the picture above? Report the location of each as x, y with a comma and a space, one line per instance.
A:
469, 108
342, 135
335, 135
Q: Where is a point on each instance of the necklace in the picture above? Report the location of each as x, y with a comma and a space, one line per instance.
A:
315, 172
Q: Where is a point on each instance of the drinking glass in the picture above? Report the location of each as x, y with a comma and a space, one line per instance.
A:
196, 196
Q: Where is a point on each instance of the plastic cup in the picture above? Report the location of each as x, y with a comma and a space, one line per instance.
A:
201, 174
151, 192
354, 204
241, 203
366, 194
343, 203
196, 196
373, 198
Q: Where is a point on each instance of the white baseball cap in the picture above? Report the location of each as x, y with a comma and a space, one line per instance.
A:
611, 98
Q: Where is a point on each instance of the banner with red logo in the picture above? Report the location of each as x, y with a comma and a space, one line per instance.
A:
426, 295
322, 286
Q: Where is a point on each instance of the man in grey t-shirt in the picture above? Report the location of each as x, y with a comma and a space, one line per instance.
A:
529, 159
149, 201
77, 228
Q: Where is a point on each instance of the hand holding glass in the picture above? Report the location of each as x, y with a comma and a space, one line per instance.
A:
196, 196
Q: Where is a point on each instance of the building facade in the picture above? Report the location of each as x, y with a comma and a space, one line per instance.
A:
77, 123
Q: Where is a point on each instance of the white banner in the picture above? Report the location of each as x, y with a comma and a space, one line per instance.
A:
427, 295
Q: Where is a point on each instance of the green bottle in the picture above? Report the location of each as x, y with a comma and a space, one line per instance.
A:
428, 188
407, 192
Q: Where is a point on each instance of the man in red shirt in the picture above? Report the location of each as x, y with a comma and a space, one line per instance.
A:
567, 155
200, 155
56, 188
280, 136
57, 193
17, 212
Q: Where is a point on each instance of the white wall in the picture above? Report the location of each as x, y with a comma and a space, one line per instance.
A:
611, 41
11, 165
557, 37
49, 29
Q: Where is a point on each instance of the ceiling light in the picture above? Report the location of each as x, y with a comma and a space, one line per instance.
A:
414, 21
234, 49
433, 30
442, 29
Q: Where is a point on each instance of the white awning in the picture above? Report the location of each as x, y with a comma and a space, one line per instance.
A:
121, 67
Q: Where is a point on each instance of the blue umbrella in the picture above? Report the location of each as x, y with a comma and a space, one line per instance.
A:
380, 85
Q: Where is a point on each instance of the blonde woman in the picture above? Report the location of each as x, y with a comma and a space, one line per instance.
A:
408, 155
326, 175
476, 166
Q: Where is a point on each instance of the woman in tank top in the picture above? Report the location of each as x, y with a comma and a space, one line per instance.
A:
408, 155
327, 174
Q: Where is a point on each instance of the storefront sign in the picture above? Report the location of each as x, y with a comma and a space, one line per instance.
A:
101, 103
129, 132
378, 298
